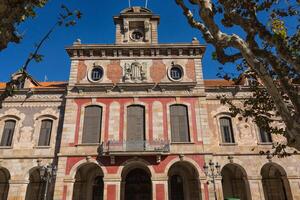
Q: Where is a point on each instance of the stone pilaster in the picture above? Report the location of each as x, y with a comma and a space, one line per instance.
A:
160, 189
112, 189
17, 189
256, 188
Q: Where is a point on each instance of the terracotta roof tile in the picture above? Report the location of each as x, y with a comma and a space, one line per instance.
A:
218, 82
56, 84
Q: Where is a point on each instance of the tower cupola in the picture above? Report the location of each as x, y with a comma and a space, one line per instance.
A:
136, 25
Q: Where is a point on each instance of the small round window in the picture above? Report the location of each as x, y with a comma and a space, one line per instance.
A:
137, 35
96, 74
176, 72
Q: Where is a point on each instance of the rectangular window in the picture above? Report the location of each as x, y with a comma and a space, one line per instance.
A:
226, 130
45, 133
265, 137
92, 125
135, 128
8, 133
179, 123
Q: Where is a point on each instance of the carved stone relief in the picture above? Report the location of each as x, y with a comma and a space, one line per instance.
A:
246, 133
25, 137
135, 72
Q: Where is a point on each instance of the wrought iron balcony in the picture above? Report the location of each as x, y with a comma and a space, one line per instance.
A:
155, 147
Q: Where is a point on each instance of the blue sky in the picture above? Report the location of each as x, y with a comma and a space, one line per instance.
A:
96, 26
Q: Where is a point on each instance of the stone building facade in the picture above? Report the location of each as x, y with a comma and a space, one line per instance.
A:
136, 120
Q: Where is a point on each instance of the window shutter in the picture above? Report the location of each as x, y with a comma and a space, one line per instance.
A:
8, 132
179, 123
135, 126
226, 130
92, 124
45, 133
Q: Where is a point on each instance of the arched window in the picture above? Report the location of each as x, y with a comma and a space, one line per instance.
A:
138, 185
36, 186
135, 127
265, 137
183, 182
89, 183
235, 183
275, 183
45, 132
226, 130
92, 124
4, 183
179, 123
8, 132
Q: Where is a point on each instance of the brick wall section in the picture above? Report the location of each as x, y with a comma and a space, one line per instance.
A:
114, 71
190, 69
81, 72
158, 71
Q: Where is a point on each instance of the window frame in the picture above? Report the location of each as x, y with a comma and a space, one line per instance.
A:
220, 134
13, 133
18, 122
182, 72
38, 126
103, 121
260, 142
90, 71
188, 124
125, 122
49, 140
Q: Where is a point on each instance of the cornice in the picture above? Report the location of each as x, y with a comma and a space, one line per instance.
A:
92, 51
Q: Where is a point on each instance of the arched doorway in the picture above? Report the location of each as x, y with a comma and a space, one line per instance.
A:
4, 184
235, 183
88, 183
36, 186
183, 182
275, 182
138, 185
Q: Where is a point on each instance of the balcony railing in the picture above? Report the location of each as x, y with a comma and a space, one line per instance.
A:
158, 146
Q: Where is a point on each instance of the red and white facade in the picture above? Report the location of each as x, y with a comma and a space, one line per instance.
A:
137, 121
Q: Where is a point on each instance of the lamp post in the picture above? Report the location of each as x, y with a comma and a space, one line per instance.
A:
47, 173
212, 172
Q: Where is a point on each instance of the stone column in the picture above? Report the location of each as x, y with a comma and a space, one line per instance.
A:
112, 189
256, 188
17, 189
160, 189
67, 187
219, 190
203, 188
295, 188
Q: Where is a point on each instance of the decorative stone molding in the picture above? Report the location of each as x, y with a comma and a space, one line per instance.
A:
46, 112
135, 72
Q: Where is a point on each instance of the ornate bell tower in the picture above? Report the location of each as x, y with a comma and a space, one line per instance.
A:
136, 25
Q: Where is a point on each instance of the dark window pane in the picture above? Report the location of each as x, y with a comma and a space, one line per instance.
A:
45, 133
265, 137
226, 130
8, 133
179, 123
177, 191
97, 74
135, 127
176, 73
92, 124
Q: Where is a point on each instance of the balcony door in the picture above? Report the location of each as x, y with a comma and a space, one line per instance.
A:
135, 140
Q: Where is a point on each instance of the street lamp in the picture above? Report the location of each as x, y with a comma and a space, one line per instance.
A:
212, 172
47, 173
